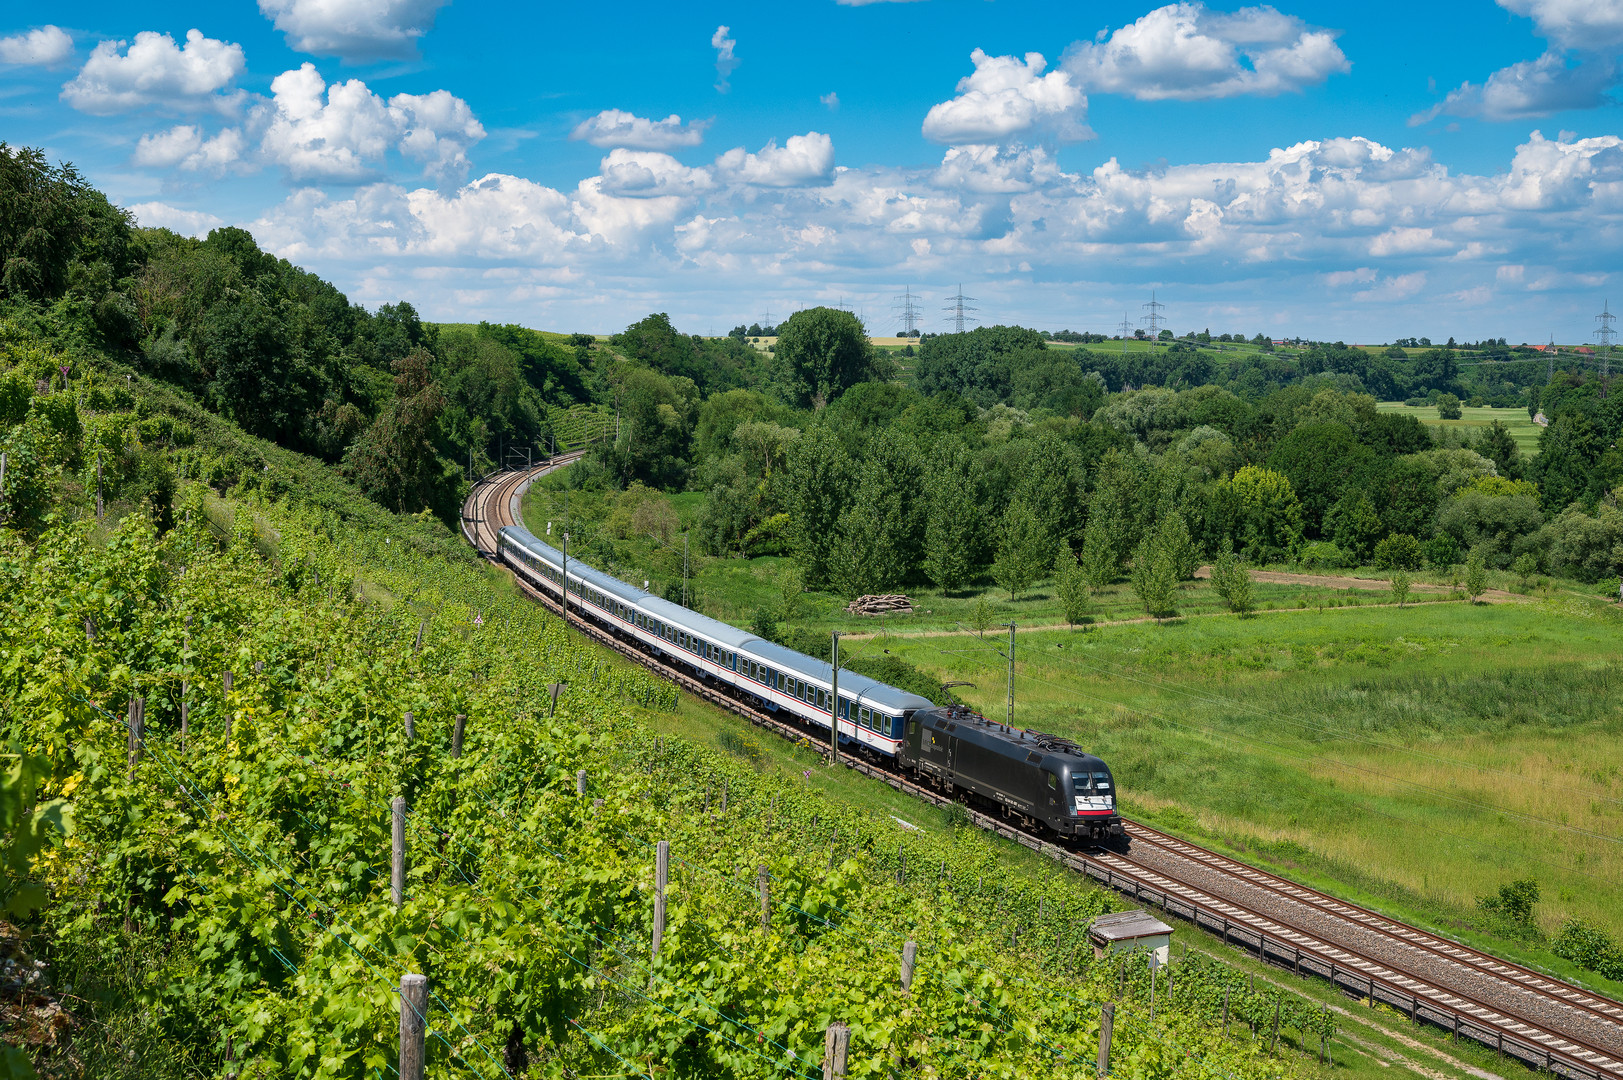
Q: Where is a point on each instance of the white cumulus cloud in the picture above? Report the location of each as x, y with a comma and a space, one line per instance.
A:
616, 127
157, 215
802, 160
342, 132
831, 100
726, 61
184, 147
644, 173
1575, 73
1574, 24
1529, 88
353, 29
985, 168
1186, 52
155, 72
1006, 98
45, 47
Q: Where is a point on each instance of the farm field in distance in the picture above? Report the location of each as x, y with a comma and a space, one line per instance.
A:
1415, 758
1521, 426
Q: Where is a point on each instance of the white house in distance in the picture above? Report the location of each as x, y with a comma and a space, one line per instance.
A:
1129, 931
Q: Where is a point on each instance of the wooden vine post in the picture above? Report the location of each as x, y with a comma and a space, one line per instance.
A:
580, 782
662, 874
763, 882
225, 682
457, 732
411, 727
836, 1047
413, 1025
910, 956
137, 735
186, 685
397, 859
1107, 1023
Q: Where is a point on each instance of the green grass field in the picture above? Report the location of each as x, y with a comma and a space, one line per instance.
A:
1415, 758
1521, 426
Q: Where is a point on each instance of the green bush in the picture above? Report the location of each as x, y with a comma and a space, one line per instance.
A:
1233, 583
1511, 908
1441, 551
1448, 407
1590, 947
1323, 555
1400, 551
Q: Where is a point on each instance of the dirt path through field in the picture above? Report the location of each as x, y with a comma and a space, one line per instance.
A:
1373, 584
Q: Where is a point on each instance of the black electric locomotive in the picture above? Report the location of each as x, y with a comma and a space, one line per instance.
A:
1042, 780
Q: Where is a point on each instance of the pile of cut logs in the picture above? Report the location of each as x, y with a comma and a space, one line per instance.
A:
894, 604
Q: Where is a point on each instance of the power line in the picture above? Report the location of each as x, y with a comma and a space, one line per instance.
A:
1603, 338
1154, 319
909, 310
958, 310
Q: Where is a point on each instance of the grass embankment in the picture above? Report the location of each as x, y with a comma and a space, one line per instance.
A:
1416, 758
1521, 426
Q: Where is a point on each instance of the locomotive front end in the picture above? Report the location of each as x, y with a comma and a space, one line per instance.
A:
1093, 813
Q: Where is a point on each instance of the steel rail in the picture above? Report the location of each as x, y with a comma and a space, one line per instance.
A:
493, 504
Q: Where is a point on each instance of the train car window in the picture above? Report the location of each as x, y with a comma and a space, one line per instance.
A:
821, 699
1053, 782
912, 728
782, 680
866, 717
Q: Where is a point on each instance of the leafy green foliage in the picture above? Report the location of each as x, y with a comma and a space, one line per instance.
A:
1025, 549
1512, 906
1590, 947
1100, 562
954, 528
1476, 574
1232, 581
1400, 551
1448, 407
1071, 583
1400, 586
823, 351
1154, 577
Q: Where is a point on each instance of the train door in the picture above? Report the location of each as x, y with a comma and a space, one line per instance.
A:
935, 752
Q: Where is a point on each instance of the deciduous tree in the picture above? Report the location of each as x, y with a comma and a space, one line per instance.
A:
821, 351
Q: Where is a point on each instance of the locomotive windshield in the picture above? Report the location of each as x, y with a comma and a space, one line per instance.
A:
1092, 790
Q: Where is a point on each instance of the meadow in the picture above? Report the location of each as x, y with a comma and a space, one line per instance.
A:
1521, 426
1416, 758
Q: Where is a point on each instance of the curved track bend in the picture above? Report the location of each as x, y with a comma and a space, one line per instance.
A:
1539, 1020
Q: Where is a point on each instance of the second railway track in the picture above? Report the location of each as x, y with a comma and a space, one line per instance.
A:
1539, 1020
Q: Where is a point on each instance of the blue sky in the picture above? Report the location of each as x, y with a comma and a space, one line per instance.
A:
1360, 172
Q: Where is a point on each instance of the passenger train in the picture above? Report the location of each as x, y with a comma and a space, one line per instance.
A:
1037, 778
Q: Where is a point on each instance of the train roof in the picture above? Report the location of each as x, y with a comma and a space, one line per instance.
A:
858, 687
1033, 746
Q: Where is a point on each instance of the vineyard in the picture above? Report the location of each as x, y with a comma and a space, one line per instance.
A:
215, 695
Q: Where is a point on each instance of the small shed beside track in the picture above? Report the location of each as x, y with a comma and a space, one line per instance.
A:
1127, 931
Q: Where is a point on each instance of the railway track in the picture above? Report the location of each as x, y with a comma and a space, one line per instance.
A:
1538, 1020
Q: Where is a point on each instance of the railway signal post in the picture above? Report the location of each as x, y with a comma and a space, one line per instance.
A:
834, 705
1008, 718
